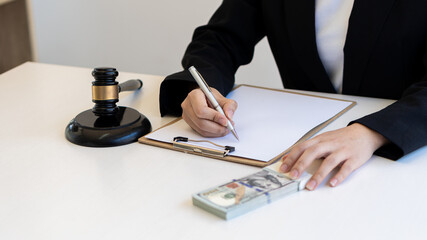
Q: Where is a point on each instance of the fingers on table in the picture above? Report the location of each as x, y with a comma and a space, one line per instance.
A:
328, 164
333, 155
349, 166
301, 156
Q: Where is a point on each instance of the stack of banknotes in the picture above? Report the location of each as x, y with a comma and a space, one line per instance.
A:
242, 195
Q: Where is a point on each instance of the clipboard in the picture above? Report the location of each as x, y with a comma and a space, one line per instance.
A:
218, 152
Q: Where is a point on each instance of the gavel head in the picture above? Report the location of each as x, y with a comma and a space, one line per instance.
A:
106, 124
105, 91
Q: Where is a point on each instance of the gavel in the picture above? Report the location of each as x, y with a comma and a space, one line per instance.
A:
107, 124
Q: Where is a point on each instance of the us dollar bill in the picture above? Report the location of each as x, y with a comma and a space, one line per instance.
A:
242, 195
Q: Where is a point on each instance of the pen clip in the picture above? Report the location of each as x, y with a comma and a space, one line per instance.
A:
203, 80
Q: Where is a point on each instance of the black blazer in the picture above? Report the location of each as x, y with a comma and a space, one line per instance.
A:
385, 56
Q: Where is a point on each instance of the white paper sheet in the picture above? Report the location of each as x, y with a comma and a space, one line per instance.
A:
267, 122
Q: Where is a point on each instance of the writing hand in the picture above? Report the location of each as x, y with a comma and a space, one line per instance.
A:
348, 147
208, 122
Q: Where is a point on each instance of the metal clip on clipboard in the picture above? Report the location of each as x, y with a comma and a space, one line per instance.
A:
181, 143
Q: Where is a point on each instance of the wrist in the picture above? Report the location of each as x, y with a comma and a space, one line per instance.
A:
376, 139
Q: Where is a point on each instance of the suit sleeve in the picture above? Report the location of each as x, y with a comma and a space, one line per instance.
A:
404, 123
216, 50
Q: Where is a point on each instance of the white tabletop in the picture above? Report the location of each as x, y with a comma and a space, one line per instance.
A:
53, 189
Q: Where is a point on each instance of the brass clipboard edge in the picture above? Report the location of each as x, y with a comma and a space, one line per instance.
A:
249, 161
298, 93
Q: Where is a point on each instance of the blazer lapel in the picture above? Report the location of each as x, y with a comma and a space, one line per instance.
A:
300, 20
366, 21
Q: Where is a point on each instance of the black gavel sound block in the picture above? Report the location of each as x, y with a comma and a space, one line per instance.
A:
106, 124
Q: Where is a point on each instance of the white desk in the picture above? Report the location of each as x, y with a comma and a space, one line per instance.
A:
53, 189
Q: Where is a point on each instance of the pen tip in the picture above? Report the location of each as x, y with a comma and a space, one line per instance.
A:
235, 134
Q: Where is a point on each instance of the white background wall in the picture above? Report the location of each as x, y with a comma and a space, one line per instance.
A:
133, 36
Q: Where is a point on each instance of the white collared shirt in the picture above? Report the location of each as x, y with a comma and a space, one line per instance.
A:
332, 17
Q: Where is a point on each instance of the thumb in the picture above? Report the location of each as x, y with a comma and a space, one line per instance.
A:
228, 105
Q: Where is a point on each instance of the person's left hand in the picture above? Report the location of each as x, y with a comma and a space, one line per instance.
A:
349, 147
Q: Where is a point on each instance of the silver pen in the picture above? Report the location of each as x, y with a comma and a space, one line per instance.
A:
207, 91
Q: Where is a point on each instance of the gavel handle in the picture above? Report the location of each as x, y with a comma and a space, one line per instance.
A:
130, 85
